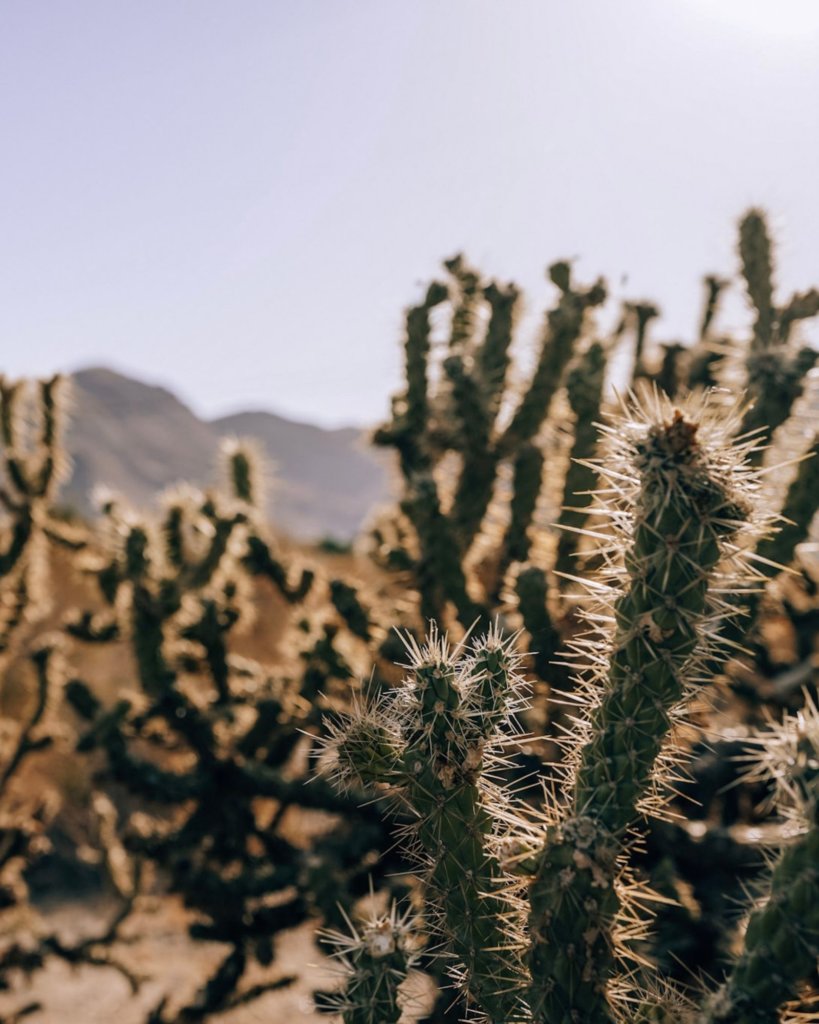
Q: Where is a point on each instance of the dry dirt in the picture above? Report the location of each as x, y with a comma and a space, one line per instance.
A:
157, 949
172, 966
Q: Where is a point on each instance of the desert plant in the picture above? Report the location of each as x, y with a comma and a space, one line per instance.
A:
375, 960
684, 507
201, 751
775, 369
464, 416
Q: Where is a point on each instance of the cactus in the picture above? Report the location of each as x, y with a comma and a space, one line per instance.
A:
429, 744
32, 466
463, 418
681, 496
376, 959
584, 384
642, 314
775, 371
782, 938
683, 500
204, 723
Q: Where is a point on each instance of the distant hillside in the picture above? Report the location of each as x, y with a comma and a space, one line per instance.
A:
139, 439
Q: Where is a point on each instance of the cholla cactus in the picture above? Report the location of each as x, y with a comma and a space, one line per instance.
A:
682, 501
775, 371
22, 819
782, 937
207, 739
431, 744
679, 496
467, 421
33, 465
376, 958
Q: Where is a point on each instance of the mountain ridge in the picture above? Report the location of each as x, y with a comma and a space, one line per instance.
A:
139, 439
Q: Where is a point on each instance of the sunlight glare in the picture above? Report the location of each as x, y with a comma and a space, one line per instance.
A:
792, 20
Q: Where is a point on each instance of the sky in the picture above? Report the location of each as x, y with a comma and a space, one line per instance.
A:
237, 199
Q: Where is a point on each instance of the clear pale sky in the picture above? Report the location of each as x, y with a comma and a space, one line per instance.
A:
237, 198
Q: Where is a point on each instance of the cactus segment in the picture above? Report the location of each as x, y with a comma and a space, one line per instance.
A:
680, 502
430, 743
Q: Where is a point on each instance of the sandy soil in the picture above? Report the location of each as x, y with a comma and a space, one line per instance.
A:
172, 965
157, 949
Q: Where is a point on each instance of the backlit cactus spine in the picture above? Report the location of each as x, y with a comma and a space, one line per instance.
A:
430, 744
679, 498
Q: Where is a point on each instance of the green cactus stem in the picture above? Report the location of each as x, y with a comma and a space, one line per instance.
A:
782, 938
429, 744
584, 386
375, 958
682, 497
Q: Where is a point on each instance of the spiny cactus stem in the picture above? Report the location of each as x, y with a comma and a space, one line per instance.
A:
440, 725
376, 958
781, 942
682, 516
757, 267
563, 327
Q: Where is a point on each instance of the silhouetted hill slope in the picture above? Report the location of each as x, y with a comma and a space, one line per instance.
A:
327, 479
139, 439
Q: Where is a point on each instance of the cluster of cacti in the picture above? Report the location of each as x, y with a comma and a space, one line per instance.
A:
540, 913
466, 417
32, 466
206, 741
604, 894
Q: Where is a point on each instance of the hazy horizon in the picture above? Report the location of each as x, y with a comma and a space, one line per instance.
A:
237, 202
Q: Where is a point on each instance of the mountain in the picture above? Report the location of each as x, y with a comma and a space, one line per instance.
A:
139, 439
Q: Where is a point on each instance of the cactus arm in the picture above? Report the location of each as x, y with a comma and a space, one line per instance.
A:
492, 357
643, 313
259, 560
439, 571
443, 758
782, 938
27, 741
347, 603
802, 306
477, 477
798, 511
757, 268
532, 591
584, 385
689, 504
467, 288
714, 287
527, 478
564, 325
781, 943
408, 431
430, 745
775, 381
376, 959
